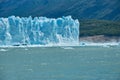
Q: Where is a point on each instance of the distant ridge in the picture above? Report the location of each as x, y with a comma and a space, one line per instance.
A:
80, 9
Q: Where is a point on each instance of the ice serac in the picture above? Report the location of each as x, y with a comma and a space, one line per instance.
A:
39, 31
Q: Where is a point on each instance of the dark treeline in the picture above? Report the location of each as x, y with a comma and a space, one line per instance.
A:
99, 27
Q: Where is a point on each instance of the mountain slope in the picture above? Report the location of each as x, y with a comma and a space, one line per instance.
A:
99, 27
81, 9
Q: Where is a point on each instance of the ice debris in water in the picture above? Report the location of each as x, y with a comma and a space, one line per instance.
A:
3, 50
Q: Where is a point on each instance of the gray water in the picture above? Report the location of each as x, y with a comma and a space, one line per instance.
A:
60, 63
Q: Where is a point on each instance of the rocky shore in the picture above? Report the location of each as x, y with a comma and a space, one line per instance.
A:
100, 39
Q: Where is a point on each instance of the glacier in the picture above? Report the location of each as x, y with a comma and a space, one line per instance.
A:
62, 31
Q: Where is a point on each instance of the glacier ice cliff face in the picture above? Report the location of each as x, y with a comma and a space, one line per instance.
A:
39, 31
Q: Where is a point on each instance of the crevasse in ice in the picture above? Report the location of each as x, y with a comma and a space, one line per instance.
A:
39, 31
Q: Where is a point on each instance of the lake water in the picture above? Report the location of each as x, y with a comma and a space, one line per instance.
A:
60, 63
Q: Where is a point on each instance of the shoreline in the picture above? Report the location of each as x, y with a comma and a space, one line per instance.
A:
100, 39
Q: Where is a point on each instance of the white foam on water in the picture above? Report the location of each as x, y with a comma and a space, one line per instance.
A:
47, 45
67, 47
31, 70
26, 49
3, 50
44, 64
99, 44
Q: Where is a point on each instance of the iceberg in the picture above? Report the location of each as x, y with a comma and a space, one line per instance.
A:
39, 31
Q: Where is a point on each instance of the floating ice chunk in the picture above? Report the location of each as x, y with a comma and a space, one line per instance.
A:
44, 64
67, 47
3, 50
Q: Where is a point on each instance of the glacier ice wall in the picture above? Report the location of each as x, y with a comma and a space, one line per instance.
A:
39, 31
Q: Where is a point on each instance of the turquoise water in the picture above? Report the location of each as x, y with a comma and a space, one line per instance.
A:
60, 63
